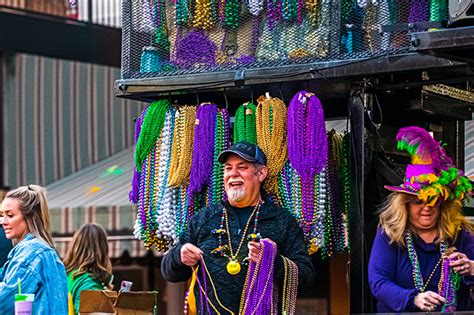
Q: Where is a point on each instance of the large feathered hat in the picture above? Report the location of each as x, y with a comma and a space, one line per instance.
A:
431, 176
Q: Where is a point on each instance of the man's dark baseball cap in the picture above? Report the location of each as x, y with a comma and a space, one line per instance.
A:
248, 151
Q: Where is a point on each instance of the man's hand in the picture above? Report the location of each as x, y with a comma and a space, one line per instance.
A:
255, 247
190, 254
428, 301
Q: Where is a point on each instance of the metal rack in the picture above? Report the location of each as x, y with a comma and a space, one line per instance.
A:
435, 57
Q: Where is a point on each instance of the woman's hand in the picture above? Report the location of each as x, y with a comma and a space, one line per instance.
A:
428, 301
190, 254
255, 247
462, 264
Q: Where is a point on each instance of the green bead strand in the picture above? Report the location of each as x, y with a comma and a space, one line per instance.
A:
245, 123
153, 122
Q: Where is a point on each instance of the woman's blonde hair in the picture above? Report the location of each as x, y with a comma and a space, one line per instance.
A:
394, 218
34, 207
89, 252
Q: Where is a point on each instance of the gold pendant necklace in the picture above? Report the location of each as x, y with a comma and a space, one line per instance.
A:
233, 266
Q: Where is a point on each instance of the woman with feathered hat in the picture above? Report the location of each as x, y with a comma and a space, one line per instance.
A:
422, 256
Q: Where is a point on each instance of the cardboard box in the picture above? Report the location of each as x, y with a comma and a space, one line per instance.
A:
113, 303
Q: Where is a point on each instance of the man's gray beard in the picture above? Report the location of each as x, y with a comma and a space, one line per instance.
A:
236, 194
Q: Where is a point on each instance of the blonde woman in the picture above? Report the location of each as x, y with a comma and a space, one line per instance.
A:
87, 262
422, 256
33, 262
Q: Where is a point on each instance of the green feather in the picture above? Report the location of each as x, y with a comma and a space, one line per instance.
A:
411, 149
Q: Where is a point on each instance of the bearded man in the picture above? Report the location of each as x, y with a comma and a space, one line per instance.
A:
226, 236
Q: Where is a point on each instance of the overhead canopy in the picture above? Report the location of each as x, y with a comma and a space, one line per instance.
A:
99, 194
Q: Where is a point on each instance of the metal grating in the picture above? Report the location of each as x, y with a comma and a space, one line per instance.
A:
179, 37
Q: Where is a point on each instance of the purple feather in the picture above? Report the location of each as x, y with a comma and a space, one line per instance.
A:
425, 147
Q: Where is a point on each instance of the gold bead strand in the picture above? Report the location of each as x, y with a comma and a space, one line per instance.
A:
271, 138
203, 15
176, 148
182, 147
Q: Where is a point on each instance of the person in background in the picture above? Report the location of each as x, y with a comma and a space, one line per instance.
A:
5, 246
227, 247
87, 262
422, 256
33, 263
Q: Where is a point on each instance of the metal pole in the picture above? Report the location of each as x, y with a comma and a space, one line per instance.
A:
358, 257
89, 11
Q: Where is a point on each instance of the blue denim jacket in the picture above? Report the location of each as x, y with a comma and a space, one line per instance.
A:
40, 271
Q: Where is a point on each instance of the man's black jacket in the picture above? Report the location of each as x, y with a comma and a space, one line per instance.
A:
274, 223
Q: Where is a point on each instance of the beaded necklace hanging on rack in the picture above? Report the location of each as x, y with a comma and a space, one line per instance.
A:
152, 191
307, 150
151, 128
449, 280
133, 194
335, 233
244, 123
203, 156
182, 149
146, 150
438, 10
231, 24
166, 197
313, 7
181, 158
271, 138
234, 265
369, 20
255, 8
203, 148
273, 14
346, 184
204, 15
221, 143
291, 10
161, 26
290, 191
182, 13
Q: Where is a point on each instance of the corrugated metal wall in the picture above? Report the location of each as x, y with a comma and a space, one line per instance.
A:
103, 12
59, 117
54, 7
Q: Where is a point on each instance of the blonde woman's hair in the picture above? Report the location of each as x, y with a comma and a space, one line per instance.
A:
89, 252
394, 218
35, 210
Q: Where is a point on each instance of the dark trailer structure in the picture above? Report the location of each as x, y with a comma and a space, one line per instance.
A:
396, 71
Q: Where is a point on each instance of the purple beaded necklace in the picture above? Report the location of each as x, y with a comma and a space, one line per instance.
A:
306, 131
195, 48
307, 147
419, 11
258, 297
203, 149
448, 282
134, 192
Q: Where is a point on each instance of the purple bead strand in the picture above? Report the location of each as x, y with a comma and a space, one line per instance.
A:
203, 149
259, 298
307, 147
134, 191
419, 11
